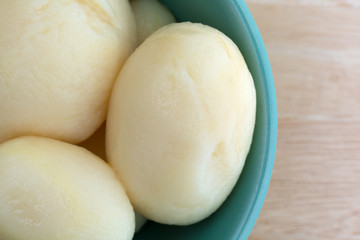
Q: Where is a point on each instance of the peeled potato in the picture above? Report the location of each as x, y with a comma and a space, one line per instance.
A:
58, 63
55, 190
180, 123
150, 15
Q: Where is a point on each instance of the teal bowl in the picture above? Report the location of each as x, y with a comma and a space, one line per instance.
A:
237, 216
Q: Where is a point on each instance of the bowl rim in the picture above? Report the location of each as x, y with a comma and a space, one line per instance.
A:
268, 119
271, 109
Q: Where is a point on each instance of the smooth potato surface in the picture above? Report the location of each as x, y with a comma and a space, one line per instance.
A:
180, 122
55, 190
58, 63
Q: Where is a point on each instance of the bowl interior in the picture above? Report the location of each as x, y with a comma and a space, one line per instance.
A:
236, 217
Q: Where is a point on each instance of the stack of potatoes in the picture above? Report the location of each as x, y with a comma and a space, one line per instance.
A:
179, 107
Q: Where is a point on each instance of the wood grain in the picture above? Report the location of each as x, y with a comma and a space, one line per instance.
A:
314, 50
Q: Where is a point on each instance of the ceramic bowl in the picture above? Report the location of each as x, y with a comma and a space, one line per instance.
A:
237, 216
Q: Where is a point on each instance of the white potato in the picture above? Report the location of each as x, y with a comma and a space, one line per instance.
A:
180, 122
150, 15
55, 190
58, 62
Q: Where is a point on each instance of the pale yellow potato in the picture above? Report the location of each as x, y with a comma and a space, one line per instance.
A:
54, 190
58, 63
150, 15
180, 123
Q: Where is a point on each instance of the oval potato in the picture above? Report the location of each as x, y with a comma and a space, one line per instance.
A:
58, 63
55, 190
180, 122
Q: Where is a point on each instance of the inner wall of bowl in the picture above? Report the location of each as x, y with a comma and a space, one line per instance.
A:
236, 217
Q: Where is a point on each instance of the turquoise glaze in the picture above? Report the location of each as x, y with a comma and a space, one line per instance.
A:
237, 216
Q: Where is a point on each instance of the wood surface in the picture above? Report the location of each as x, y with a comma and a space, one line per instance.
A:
314, 51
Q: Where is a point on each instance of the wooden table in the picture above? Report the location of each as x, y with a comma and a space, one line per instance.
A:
314, 50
